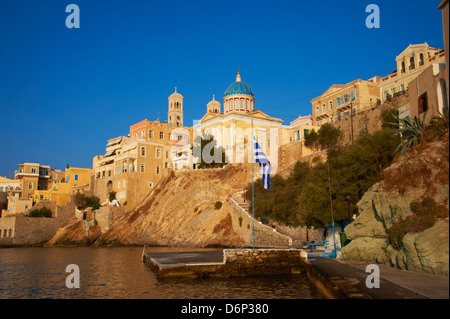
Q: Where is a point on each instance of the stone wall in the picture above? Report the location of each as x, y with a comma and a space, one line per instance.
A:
106, 216
368, 121
25, 231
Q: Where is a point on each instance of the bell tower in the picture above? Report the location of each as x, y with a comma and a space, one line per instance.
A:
175, 114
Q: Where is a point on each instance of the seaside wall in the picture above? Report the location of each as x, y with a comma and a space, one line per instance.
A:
23, 231
237, 263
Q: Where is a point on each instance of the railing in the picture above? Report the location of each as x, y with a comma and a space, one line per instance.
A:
263, 225
143, 252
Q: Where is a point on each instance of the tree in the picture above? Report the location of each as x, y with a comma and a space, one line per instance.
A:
303, 198
211, 155
82, 201
312, 140
329, 136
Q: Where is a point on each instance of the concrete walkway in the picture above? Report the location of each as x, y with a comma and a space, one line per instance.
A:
349, 277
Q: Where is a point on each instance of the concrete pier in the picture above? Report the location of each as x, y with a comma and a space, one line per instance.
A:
333, 278
227, 263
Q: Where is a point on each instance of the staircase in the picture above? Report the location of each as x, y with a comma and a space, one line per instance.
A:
239, 199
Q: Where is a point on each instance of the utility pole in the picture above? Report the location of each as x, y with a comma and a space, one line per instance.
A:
351, 118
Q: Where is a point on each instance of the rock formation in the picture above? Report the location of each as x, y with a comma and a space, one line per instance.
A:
183, 210
423, 174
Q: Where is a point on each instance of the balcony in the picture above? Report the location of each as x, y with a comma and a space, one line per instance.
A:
125, 156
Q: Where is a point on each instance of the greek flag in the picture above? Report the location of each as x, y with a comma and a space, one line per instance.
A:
264, 164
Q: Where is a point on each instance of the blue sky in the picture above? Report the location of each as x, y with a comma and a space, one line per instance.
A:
64, 92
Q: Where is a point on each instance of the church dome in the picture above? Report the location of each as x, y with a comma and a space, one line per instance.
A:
238, 87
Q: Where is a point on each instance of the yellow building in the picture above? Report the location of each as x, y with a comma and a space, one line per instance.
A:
34, 176
341, 101
60, 191
410, 64
232, 128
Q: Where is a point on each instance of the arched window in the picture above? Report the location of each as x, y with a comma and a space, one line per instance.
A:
403, 67
231, 105
421, 62
412, 64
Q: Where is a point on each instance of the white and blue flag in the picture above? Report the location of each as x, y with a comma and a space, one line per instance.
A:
264, 164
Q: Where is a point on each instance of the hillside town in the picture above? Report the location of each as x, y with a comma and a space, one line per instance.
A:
362, 179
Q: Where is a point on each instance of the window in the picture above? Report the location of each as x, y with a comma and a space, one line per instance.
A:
161, 135
123, 184
330, 105
26, 208
403, 67
150, 185
324, 109
345, 98
231, 105
353, 94
306, 132
143, 151
150, 134
402, 87
346, 114
338, 101
167, 154
118, 184
142, 168
33, 170
339, 116
158, 153
157, 170
118, 170
392, 91
354, 111
55, 176
30, 185
75, 178
412, 64
423, 103
421, 59
246, 104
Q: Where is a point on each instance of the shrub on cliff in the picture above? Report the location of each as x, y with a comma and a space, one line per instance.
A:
82, 201
43, 212
425, 214
218, 205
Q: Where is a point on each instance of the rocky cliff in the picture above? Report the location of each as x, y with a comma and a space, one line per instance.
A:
403, 220
190, 208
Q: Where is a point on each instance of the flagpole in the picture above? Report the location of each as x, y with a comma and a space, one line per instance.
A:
253, 189
331, 207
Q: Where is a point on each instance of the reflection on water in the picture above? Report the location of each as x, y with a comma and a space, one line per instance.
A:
119, 273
